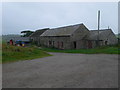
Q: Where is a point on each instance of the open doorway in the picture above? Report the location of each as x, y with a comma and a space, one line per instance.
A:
106, 42
74, 45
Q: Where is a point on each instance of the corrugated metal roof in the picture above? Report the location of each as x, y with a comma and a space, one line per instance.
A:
102, 33
61, 31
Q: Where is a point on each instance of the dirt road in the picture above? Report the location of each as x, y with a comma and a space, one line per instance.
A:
63, 71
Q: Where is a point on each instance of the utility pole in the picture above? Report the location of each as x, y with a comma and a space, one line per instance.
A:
98, 25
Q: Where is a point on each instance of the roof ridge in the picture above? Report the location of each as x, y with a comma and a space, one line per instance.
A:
101, 30
67, 26
68, 30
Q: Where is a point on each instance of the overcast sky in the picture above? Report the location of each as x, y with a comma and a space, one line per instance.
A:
19, 16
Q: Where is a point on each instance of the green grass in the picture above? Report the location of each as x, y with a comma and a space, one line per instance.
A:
15, 53
99, 50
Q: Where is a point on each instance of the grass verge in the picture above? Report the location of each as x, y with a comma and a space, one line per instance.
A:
15, 53
99, 50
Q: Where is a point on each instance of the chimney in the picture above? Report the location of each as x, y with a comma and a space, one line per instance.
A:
98, 25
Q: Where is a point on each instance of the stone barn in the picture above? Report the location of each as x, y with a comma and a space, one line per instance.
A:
73, 37
68, 37
106, 37
35, 37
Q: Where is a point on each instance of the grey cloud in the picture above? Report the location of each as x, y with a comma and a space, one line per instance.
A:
28, 15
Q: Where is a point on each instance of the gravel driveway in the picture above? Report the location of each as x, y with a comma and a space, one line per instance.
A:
63, 71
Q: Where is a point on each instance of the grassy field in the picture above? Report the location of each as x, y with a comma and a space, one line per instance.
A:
104, 49
15, 53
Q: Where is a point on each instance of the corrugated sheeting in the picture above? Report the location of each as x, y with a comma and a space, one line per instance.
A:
37, 33
93, 35
62, 31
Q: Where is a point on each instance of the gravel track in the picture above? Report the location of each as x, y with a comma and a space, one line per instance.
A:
63, 70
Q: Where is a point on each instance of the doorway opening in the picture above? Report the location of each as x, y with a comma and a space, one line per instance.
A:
90, 44
74, 45
106, 42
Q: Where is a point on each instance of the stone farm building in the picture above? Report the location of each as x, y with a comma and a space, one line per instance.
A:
35, 37
73, 37
106, 37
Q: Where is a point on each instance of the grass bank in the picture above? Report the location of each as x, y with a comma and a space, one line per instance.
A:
15, 53
99, 50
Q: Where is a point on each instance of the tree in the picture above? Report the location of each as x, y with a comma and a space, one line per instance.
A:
27, 33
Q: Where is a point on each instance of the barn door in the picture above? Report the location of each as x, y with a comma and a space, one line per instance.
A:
89, 44
74, 44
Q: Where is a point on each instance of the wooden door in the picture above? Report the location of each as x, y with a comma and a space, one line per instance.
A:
89, 44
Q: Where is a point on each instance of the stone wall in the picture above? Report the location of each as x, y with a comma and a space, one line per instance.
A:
80, 33
74, 41
109, 38
56, 42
